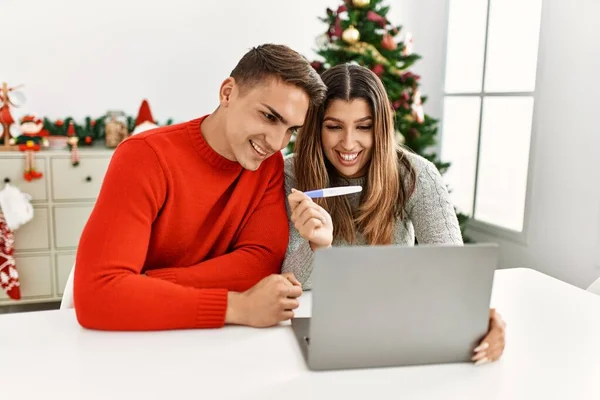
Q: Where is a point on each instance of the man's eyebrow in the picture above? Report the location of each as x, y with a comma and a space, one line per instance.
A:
275, 113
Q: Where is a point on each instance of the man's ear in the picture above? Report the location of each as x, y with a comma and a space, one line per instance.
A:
226, 91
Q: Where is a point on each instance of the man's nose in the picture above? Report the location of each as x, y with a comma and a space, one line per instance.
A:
278, 140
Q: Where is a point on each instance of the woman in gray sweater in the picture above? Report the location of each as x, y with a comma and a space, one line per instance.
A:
350, 140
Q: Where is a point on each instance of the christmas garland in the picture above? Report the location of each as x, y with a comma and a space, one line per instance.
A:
90, 130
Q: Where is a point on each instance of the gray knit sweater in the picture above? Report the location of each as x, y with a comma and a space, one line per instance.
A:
430, 217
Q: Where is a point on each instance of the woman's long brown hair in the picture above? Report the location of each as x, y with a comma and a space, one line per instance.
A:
384, 194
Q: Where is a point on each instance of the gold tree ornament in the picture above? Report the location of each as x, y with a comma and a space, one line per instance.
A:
360, 3
367, 48
351, 35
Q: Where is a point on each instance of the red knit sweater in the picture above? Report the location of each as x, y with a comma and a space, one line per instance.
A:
196, 223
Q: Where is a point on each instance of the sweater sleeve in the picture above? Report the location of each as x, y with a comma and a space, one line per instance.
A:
430, 209
299, 256
258, 252
109, 291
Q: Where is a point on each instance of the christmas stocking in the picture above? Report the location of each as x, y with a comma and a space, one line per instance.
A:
9, 278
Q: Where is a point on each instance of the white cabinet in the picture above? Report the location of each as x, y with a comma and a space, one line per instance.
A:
62, 199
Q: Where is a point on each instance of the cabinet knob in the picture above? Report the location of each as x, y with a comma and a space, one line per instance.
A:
6, 180
88, 178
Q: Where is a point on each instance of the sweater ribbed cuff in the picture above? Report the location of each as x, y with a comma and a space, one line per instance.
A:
212, 307
304, 259
165, 275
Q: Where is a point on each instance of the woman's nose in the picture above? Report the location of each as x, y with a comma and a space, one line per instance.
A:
348, 140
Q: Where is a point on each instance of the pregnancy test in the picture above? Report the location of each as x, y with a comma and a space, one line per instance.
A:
334, 191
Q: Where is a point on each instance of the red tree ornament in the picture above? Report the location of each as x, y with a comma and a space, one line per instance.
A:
388, 42
378, 69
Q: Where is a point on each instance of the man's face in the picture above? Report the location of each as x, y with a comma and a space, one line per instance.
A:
261, 119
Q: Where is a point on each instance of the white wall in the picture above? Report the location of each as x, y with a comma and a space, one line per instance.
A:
564, 213
563, 237
426, 20
86, 57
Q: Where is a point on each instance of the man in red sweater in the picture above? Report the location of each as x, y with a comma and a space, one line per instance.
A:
190, 229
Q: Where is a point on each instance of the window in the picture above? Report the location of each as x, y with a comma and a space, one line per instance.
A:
491, 61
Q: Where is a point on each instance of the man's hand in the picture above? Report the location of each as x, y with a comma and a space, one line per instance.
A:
311, 220
270, 301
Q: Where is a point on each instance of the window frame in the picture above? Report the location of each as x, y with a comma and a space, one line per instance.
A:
474, 225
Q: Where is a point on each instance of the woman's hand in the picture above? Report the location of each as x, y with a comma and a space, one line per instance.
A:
311, 220
492, 346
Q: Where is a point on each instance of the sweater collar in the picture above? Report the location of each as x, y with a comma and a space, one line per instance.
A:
205, 151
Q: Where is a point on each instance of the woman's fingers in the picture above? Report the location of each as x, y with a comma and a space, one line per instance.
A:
310, 212
486, 356
480, 351
307, 228
492, 345
300, 208
296, 198
479, 356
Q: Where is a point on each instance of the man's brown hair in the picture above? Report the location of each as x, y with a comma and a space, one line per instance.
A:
281, 62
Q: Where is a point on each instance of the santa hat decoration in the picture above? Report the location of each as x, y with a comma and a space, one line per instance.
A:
144, 120
73, 139
29, 118
71, 129
31, 125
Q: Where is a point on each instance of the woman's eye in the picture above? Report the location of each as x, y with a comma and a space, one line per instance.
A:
365, 127
332, 127
270, 117
294, 131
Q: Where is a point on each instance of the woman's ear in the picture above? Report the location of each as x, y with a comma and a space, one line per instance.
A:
226, 91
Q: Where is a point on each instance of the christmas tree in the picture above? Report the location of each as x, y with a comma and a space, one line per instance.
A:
360, 32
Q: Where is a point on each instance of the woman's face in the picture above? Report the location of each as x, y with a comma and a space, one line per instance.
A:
347, 136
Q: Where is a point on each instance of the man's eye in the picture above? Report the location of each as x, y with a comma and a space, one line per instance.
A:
270, 117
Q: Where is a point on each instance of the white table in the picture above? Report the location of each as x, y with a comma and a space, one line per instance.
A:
553, 352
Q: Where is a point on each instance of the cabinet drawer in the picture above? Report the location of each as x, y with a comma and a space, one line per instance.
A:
35, 276
34, 234
64, 264
80, 182
69, 222
13, 168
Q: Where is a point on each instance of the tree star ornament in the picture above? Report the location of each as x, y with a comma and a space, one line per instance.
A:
351, 35
360, 3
